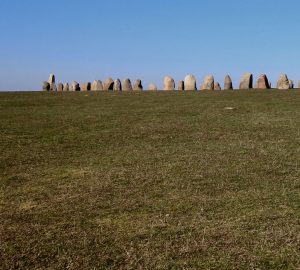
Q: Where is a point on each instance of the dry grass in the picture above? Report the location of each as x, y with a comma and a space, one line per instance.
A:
150, 180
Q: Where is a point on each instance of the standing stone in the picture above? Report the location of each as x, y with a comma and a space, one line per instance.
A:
228, 83
117, 85
270, 85
75, 86
97, 85
66, 87
108, 84
291, 84
46, 86
169, 84
60, 87
86, 86
127, 86
208, 83
217, 87
181, 86
247, 81
138, 85
152, 87
53, 87
190, 83
283, 82
51, 79
262, 82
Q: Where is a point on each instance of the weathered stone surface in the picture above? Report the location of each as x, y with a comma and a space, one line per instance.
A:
208, 83
152, 87
180, 85
86, 86
51, 79
138, 86
60, 87
262, 82
75, 86
228, 83
247, 81
97, 85
46, 86
169, 83
291, 84
283, 82
190, 83
108, 84
217, 86
117, 85
53, 87
127, 86
66, 87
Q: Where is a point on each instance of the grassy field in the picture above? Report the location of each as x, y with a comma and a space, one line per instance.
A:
150, 180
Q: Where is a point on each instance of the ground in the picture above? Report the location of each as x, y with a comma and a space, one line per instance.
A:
178, 180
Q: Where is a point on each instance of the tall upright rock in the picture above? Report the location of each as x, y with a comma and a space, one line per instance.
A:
46, 86
291, 84
283, 82
208, 83
108, 84
217, 86
247, 81
190, 83
169, 83
152, 87
228, 83
51, 79
66, 87
181, 85
53, 87
263, 82
75, 86
97, 85
127, 86
60, 87
86, 86
117, 85
138, 86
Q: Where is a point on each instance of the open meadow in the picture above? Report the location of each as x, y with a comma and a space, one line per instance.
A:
150, 180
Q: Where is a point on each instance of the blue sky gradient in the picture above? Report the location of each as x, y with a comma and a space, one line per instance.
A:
85, 40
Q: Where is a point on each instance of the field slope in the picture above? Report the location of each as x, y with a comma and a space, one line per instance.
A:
150, 180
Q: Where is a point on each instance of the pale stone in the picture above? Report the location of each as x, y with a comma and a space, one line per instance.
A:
291, 84
138, 86
97, 85
283, 82
53, 87
181, 86
208, 83
51, 79
262, 82
108, 84
228, 83
217, 87
86, 86
60, 87
66, 87
169, 83
117, 85
127, 86
190, 83
75, 86
152, 87
46, 86
247, 81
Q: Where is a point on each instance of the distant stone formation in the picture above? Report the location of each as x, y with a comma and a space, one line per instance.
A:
86, 86
228, 83
66, 87
169, 83
181, 86
117, 85
208, 83
51, 79
46, 86
53, 87
190, 83
97, 85
108, 84
75, 86
262, 82
247, 81
291, 84
138, 86
283, 82
152, 87
217, 86
60, 87
127, 86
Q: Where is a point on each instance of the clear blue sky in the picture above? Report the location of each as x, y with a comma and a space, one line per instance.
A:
85, 40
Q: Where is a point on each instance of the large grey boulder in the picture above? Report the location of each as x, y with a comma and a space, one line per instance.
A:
152, 87
97, 85
108, 84
117, 85
180, 85
283, 82
262, 82
169, 83
247, 81
208, 83
46, 86
51, 79
228, 83
86, 86
60, 87
75, 86
138, 86
190, 83
127, 86
66, 87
